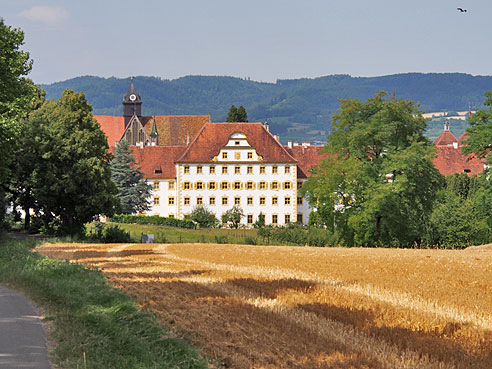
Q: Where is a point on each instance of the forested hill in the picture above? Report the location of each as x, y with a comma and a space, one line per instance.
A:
296, 109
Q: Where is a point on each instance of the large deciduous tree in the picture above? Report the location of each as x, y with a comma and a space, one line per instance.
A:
479, 133
15, 94
70, 176
133, 191
378, 183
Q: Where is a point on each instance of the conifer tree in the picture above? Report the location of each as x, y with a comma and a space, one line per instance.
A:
133, 191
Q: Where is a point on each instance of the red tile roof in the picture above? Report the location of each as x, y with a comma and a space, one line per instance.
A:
307, 157
172, 129
446, 138
112, 126
157, 158
450, 160
214, 136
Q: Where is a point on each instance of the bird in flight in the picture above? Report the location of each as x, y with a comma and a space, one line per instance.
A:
461, 10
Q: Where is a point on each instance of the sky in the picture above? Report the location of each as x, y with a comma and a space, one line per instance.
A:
264, 40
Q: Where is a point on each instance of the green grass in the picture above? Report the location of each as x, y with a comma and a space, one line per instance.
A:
180, 235
94, 325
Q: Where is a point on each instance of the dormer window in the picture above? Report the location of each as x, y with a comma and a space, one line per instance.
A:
237, 143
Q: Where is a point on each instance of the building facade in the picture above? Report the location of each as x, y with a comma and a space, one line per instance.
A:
191, 162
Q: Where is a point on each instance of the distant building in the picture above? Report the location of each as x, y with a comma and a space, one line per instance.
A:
192, 162
450, 159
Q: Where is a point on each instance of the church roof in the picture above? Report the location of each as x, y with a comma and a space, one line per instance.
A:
132, 91
214, 136
172, 129
112, 126
157, 161
307, 157
446, 138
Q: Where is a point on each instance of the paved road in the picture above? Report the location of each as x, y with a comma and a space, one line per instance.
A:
22, 336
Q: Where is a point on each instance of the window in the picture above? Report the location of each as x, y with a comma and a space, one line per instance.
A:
249, 170
170, 200
199, 201
155, 185
274, 219
250, 155
299, 184
287, 169
287, 218
171, 185
249, 200
211, 170
225, 200
262, 169
262, 200
237, 201
186, 169
224, 170
224, 185
199, 169
158, 171
237, 156
274, 169
237, 143
249, 219
186, 201
237, 185
262, 185
287, 185
156, 200
299, 218
274, 185
186, 185
287, 200
299, 200
212, 185
211, 201
170, 215
250, 185
237, 169
224, 155
274, 200
199, 185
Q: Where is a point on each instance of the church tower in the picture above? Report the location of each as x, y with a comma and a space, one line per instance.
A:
132, 103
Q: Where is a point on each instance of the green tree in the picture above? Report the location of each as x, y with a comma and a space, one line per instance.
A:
479, 132
133, 191
71, 177
237, 114
15, 94
233, 216
204, 217
378, 183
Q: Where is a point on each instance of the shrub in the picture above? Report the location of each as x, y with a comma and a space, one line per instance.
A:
250, 241
204, 217
154, 219
221, 239
114, 234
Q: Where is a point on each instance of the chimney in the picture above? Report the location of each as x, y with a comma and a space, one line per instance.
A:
446, 126
187, 139
277, 137
306, 143
289, 144
267, 126
296, 143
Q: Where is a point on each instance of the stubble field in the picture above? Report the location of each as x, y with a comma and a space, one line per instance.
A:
301, 307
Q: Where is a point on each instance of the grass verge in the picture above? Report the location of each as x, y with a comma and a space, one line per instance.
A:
93, 325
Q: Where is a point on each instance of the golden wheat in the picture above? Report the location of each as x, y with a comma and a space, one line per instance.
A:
293, 307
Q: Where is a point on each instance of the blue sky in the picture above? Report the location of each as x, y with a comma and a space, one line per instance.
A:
261, 39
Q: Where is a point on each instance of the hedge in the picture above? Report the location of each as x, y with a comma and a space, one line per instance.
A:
154, 219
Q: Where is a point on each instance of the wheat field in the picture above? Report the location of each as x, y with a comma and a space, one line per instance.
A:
303, 307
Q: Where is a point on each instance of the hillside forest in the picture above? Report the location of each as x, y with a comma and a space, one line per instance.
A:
297, 109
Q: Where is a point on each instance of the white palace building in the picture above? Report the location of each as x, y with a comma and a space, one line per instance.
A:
192, 162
